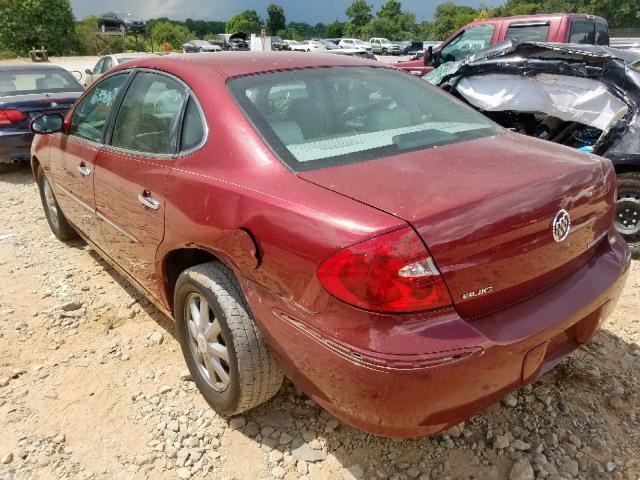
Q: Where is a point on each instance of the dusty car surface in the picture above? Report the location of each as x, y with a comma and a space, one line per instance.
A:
583, 96
403, 259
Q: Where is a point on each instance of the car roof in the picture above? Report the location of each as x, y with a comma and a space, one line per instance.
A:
9, 68
541, 16
232, 64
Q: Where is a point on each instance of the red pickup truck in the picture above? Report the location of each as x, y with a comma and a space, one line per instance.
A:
556, 27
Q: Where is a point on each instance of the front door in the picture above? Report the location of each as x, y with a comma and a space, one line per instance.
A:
131, 173
73, 154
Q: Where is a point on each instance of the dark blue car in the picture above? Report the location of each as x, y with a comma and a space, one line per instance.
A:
27, 91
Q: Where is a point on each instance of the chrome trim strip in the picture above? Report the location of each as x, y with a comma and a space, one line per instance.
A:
71, 195
118, 228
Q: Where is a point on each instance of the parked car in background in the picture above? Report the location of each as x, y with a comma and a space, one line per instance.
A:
330, 239
106, 63
327, 44
309, 46
477, 35
354, 43
279, 45
354, 52
583, 96
199, 46
291, 43
27, 91
123, 22
335, 41
231, 41
384, 47
411, 47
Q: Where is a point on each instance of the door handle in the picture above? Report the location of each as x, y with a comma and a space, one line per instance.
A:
148, 201
84, 170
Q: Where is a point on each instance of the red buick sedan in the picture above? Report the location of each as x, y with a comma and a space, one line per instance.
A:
398, 256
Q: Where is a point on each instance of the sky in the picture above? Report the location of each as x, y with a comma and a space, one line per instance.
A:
310, 11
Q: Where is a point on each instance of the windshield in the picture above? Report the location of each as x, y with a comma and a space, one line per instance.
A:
319, 117
23, 82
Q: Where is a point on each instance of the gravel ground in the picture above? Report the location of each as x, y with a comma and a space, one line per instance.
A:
93, 385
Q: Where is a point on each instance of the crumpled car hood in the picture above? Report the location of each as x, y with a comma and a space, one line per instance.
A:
601, 74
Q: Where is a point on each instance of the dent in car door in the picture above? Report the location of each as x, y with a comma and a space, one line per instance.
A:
132, 171
73, 155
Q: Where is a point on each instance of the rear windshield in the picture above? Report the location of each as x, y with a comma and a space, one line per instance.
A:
590, 33
320, 117
528, 32
22, 82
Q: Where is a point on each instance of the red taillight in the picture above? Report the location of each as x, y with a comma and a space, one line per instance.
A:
389, 273
7, 117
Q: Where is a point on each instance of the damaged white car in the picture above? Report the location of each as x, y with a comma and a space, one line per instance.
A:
582, 96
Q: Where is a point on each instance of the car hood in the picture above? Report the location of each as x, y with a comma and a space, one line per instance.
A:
485, 209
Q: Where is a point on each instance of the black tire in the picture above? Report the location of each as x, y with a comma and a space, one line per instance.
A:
254, 375
123, 29
628, 210
103, 28
56, 219
384, 51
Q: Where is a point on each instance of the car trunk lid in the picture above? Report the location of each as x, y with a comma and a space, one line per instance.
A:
485, 210
33, 105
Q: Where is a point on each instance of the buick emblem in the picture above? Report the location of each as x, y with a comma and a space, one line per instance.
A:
54, 104
561, 225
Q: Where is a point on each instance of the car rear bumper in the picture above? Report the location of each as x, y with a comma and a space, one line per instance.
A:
15, 146
402, 394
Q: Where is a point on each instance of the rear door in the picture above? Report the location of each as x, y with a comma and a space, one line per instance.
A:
132, 170
73, 155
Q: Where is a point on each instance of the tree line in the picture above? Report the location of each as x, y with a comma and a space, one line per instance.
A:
33, 23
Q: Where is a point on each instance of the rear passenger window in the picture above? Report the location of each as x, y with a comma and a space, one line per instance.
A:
149, 114
528, 32
192, 128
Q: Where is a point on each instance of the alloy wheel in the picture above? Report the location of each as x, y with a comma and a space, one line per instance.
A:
207, 342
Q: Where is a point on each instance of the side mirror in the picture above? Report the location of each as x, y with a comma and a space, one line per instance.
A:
45, 124
428, 56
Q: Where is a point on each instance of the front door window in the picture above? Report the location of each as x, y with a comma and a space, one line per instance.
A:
470, 41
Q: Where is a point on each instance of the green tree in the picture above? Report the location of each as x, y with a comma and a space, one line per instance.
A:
276, 20
25, 24
359, 12
247, 22
334, 30
449, 17
175, 35
392, 10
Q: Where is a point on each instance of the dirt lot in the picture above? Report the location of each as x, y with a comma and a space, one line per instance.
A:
93, 385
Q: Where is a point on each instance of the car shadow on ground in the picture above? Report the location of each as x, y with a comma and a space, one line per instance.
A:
18, 174
154, 313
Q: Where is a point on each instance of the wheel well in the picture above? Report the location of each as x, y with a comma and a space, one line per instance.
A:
178, 261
